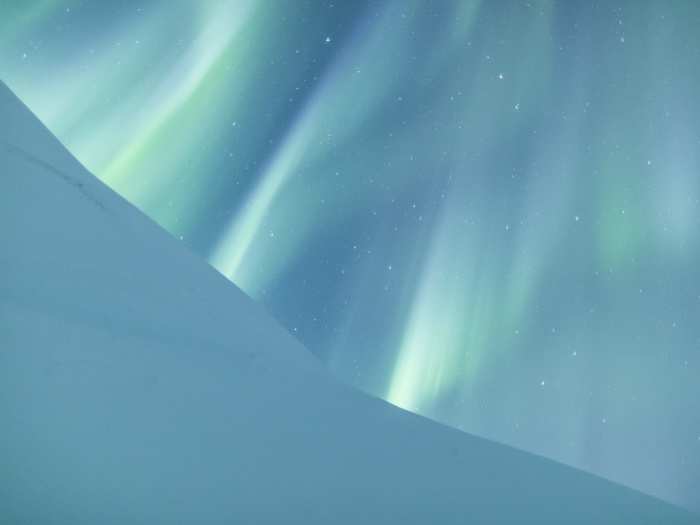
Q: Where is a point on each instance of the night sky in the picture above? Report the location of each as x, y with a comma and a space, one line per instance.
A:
486, 212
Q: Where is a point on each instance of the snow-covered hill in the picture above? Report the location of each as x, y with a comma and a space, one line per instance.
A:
137, 385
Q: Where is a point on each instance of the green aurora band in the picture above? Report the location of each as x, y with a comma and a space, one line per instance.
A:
483, 212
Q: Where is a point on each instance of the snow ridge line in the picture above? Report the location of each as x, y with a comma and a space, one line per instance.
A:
32, 159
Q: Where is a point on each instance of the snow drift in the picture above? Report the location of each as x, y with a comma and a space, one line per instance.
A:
137, 385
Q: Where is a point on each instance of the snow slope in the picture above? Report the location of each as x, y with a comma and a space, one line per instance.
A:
137, 385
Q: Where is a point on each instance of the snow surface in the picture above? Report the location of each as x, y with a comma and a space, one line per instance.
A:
137, 385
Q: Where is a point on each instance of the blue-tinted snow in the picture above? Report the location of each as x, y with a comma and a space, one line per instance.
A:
137, 385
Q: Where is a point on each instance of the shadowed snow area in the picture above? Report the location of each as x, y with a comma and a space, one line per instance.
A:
137, 385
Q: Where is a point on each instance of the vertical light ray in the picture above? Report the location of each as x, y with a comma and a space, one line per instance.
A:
219, 25
232, 250
446, 328
453, 317
354, 75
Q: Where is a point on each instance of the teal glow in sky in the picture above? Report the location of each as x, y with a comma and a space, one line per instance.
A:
484, 212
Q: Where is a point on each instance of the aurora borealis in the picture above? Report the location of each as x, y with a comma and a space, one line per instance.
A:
484, 212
